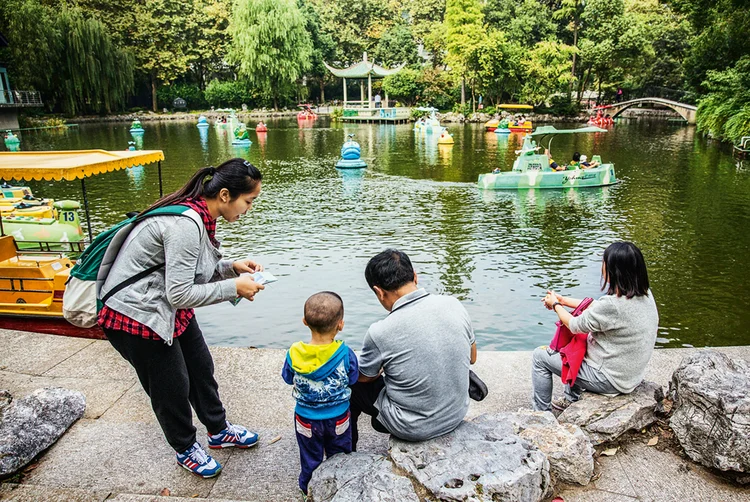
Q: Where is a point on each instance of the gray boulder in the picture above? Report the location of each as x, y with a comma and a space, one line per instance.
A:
569, 451
482, 460
605, 418
712, 410
362, 477
32, 424
5, 400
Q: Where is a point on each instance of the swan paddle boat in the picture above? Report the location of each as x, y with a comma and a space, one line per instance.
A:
502, 127
241, 137
445, 138
351, 155
12, 141
203, 122
532, 169
136, 127
261, 127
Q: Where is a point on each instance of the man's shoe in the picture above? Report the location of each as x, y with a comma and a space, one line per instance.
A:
197, 461
233, 435
561, 404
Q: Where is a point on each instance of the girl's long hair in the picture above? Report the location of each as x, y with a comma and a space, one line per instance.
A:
625, 271
236, 175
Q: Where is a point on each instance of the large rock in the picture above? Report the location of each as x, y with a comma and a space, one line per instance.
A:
5, 400
361, 477
712, 410
605, 418
482, 460
32, 424
570, 454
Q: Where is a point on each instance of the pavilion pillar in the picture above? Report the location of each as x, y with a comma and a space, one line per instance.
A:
369, 90
362, 91
386, 99
344, 92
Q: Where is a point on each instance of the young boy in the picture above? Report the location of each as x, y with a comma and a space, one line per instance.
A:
321, 372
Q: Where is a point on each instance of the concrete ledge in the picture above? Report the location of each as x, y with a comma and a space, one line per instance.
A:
118, 452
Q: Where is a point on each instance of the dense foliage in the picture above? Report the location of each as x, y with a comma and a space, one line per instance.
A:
106, 55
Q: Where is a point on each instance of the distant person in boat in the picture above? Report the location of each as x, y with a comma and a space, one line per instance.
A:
621, 328
552, 164
151, 322
414, 364
585, 164
576, 162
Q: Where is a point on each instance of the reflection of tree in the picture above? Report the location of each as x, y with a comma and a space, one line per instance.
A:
456, 224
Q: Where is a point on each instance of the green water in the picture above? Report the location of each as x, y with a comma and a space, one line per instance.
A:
683, 200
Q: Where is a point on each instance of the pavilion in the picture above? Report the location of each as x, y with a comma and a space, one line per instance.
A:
361, 71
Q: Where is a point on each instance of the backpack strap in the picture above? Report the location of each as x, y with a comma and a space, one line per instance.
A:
174, 210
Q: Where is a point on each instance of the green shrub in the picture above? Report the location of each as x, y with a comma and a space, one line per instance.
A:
191, 93
232, 94
337, 113
405, 85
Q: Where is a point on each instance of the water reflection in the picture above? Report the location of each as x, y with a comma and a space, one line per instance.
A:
683, 200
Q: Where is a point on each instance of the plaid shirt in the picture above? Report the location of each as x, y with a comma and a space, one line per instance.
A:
111, 319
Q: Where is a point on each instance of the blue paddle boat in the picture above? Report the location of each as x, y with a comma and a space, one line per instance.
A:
350, 155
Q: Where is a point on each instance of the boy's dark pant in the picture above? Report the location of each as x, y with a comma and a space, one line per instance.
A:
175, 377
364, 395
316, 437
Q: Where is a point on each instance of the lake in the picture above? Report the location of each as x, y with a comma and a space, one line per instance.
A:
682, 199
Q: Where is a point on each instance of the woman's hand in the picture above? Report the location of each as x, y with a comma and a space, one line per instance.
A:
246, 265
550, 299
247, 287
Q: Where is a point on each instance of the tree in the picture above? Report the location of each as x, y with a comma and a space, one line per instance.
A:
210, 47
725, 111
571, 10
397, 46
496, 65
165, 31
324, 48
464, 33
546, 71
525, 22
270, 44
405, 85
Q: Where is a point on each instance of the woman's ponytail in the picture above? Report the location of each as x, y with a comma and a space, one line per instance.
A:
236, 175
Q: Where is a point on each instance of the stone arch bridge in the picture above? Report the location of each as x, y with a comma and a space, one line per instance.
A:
684, 110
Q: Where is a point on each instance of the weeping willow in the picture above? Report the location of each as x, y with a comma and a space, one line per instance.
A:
92, 73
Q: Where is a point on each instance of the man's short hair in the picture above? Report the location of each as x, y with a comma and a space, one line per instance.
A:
576, 157
389, 270
323, 311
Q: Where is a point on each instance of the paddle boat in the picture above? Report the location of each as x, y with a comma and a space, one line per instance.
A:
32, 282
307, 112
491, 125
601, 120
445, 138
502, 127
136, 127
532, 169
203, 122
11, 141
494, 124
241, 137
430, 123
350, 155
261, 127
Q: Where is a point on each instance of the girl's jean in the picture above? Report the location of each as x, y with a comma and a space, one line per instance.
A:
546, 362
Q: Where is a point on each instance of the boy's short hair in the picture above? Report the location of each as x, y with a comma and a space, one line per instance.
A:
576, 157
323, 311
389, 270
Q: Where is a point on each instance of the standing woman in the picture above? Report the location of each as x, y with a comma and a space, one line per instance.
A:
151, 322
622, 327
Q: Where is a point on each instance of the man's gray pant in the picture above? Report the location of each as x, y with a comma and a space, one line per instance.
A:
546, 362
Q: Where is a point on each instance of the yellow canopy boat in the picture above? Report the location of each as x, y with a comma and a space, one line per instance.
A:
32, 282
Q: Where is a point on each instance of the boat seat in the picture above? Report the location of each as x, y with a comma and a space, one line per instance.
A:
7, 248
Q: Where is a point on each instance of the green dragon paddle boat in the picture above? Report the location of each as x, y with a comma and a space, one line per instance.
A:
532, 169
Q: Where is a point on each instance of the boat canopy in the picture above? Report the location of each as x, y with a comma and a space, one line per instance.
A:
545, 130
515, 107
70, 164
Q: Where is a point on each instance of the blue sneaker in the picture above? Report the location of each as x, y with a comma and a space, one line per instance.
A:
233, 435
197, 461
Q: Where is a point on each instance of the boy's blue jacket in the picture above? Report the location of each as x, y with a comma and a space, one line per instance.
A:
321, 375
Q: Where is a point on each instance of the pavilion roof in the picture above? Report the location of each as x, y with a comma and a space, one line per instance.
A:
362, 70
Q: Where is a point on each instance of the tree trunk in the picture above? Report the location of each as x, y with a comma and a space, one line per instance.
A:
322, 91
463, 93
153, 92
275, 102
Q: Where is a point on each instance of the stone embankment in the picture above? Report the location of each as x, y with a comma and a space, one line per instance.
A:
502, 451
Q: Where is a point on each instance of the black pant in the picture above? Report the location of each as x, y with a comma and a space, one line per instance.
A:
363, 400
175, 377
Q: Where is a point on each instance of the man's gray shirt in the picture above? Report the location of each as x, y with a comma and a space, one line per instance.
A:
424, 348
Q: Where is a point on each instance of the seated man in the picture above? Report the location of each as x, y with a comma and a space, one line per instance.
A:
414, 364
588, 165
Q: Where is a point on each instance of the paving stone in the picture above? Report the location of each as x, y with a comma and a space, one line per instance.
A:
34, 353
30, 493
